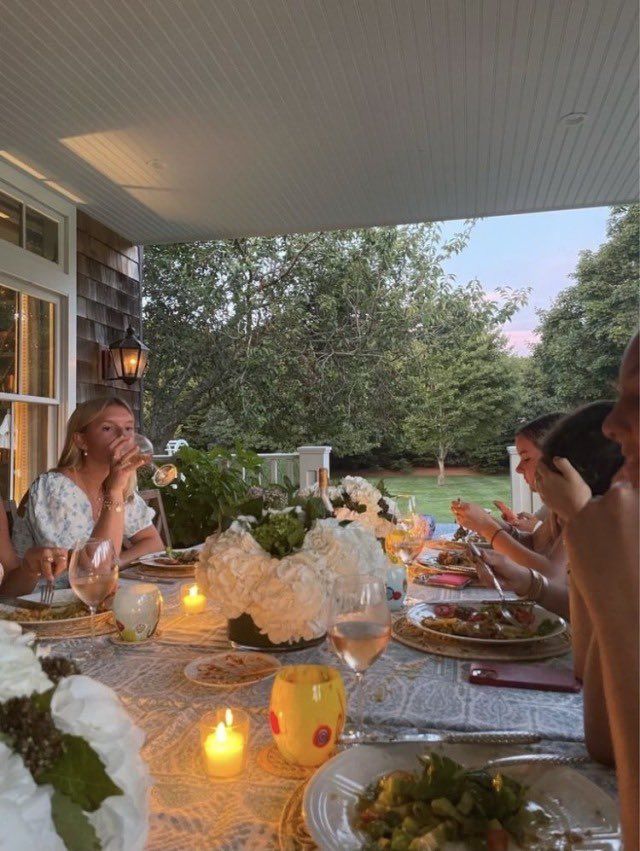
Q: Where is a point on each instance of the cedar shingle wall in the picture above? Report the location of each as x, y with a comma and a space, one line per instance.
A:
108, 300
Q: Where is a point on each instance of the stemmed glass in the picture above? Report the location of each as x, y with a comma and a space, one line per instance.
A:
407, 538
163, 475
93, 574
359, 627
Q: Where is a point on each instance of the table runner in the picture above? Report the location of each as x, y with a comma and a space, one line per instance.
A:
405, 689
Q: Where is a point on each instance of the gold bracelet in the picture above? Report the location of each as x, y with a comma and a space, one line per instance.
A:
115, 504
536, 586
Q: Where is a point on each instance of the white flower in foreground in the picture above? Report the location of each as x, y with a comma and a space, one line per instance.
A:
20, 671
25, 808
83, 707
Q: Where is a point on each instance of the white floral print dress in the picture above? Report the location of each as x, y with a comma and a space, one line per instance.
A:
58, 514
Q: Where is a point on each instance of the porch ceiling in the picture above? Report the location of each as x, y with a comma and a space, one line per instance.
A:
183, 119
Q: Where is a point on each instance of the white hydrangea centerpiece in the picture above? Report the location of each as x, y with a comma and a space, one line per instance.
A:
279, 568
357, 500
71, 774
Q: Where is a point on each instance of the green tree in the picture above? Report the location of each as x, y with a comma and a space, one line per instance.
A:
288, 340
463, 393
583, 334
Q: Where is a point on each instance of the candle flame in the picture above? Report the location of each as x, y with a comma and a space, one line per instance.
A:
228, 717
221, 733
193, 591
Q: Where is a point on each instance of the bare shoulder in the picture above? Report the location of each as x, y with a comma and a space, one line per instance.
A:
618, 503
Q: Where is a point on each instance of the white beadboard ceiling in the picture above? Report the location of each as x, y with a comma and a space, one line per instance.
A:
177, 120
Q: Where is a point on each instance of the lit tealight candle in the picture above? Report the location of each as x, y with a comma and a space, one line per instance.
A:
224, 748
193, 601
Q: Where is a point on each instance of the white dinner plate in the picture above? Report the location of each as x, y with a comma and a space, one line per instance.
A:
329, 805
150, 560
417, 613
61, 597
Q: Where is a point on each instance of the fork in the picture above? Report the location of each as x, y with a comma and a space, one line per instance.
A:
46, 593
504, 611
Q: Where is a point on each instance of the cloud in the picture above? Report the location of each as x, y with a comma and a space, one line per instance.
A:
521, 341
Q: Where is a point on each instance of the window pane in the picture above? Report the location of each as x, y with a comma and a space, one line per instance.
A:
10, 219
42, 235
8, 314
31, 442
37, 347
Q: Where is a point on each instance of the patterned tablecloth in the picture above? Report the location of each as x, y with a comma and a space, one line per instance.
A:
406, 688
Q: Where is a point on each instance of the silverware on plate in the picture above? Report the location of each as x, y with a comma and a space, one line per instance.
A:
542, 759
490, 737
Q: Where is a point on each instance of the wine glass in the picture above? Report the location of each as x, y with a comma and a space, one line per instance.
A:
163, 475
407, 538
93, 574
359, 626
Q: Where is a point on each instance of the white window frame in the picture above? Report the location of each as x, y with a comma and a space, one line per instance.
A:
33, 275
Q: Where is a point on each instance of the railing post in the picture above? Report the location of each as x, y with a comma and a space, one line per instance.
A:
310, 458
522, 497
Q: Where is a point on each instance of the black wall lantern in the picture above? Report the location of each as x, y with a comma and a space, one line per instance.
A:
126, 359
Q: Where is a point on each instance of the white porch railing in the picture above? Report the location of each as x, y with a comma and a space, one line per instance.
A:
301, 466
522, 497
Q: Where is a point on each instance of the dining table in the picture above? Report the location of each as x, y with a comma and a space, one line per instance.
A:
405, 689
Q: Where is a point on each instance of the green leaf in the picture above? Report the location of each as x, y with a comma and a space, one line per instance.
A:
80, 775
72, 824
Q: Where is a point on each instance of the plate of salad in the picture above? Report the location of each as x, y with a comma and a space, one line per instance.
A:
483, 622
384, 798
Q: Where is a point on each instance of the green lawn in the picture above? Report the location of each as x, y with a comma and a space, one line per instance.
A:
436, 500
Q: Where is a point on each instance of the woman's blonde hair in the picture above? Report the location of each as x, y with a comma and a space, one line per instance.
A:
85, 413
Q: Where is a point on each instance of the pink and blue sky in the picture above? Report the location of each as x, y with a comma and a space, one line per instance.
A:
537, 250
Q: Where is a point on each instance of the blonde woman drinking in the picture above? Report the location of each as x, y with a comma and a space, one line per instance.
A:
91, 493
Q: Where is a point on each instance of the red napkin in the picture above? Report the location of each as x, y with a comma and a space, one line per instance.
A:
449, 580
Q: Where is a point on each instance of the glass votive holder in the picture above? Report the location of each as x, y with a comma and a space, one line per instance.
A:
193, 600
224, 738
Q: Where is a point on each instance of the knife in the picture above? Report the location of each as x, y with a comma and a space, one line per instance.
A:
490, 737
23, 604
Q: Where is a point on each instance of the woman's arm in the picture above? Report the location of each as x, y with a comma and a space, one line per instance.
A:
474, 517
553, 596
602, 541
145, 541
597, 733
8, 556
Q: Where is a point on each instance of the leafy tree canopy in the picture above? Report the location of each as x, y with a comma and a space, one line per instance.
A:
583, 334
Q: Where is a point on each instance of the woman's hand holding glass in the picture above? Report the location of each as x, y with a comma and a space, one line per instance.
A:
125, 460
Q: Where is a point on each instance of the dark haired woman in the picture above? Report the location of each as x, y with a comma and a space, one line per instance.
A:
602, 541
579, 438
541, 548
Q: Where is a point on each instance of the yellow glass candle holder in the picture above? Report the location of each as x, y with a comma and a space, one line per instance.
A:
307, 712
193, 602
224, 737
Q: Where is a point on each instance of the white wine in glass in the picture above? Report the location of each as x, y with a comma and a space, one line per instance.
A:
93, 573
163, 475
359, 626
